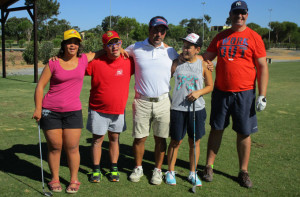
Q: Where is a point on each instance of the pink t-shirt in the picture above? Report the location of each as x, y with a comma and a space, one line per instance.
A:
65, 87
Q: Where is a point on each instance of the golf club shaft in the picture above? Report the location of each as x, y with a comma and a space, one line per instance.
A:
194, 118
41, 157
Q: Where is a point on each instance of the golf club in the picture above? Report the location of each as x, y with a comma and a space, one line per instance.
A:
45, 193
194, 187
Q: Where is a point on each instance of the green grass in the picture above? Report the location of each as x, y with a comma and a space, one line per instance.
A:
274, 163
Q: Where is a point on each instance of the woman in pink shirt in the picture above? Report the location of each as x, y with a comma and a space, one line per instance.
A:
59, 111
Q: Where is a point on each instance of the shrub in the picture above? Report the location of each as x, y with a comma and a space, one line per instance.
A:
9, 43
92, 44
46, 51
28, 54
56, 42
21, 43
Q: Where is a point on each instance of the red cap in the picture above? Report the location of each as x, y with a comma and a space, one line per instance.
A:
108, 36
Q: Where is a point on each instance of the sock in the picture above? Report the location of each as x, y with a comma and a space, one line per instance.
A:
139, 167
96, 168
192, 173
114, 167
159, 170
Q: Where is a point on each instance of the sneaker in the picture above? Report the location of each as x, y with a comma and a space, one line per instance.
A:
208, 173
136, 175
95, 177
156, 177
170, 178
244, 179
191, 179
114, 176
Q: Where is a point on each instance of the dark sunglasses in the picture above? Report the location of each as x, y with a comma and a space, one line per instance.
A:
238, 12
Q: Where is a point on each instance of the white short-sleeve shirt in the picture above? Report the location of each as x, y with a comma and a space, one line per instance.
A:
152, 67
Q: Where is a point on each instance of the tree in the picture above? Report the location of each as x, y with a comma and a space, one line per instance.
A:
184, 22
141, 32
277, 29
176, 32
289, 29
18, 28
228, 21
126, 25
253, 26
194, 25
45, 8
26, 28
114, 21
207, 18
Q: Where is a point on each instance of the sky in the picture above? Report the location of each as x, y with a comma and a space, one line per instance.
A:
87, 14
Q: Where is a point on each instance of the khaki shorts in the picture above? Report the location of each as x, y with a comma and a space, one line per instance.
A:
146, 113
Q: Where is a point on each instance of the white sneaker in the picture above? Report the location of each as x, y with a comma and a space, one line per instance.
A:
156, 177
136, 174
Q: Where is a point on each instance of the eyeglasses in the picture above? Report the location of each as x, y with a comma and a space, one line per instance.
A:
238, 12
117, 44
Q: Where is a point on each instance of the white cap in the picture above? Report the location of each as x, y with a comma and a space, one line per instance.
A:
193, 38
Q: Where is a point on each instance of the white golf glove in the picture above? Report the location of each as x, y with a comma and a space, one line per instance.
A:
261, 103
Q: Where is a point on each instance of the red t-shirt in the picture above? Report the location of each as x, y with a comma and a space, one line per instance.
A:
236, 53
109, 84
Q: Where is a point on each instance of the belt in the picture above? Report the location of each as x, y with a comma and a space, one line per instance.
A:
151, 99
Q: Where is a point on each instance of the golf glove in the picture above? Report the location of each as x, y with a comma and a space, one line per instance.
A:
261, 103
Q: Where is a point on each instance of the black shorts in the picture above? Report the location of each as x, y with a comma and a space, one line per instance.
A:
61, 120
239, 105
182, 122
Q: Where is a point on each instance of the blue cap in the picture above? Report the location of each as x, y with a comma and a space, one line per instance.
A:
158, 21
239, 5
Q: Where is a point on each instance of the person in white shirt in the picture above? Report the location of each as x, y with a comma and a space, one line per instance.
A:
153, 61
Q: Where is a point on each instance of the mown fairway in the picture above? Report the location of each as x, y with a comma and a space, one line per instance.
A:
274, 164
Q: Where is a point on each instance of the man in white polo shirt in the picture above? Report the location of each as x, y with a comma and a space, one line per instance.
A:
153, 61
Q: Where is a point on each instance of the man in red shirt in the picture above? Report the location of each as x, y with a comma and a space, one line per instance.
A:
108, 96
241, 59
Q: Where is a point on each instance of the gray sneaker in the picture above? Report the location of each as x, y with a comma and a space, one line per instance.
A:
244, 179
208, 173
136, 175
157, 177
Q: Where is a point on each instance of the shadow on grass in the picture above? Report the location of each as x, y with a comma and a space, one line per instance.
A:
14, 78
12, 164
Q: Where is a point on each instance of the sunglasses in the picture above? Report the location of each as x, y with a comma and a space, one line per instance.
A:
117, 44
238, 12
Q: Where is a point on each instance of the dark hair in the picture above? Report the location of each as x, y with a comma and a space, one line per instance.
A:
61, 51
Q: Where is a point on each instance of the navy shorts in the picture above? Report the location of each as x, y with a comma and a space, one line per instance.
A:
61, 120
182, 122
239, 105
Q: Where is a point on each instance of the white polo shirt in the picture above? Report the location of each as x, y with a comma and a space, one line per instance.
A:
152, 67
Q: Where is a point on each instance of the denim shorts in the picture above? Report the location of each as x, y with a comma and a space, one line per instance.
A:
239, 105
182, 122
61, 120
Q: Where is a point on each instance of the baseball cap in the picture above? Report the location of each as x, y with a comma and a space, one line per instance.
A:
194, 39
108, 36
158, 21
71, 33
239, 5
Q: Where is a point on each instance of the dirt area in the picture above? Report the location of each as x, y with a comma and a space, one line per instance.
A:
283, 54
14, 59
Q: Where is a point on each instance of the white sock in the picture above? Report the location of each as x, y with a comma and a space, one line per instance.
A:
159, 170
192, 173
139, 167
